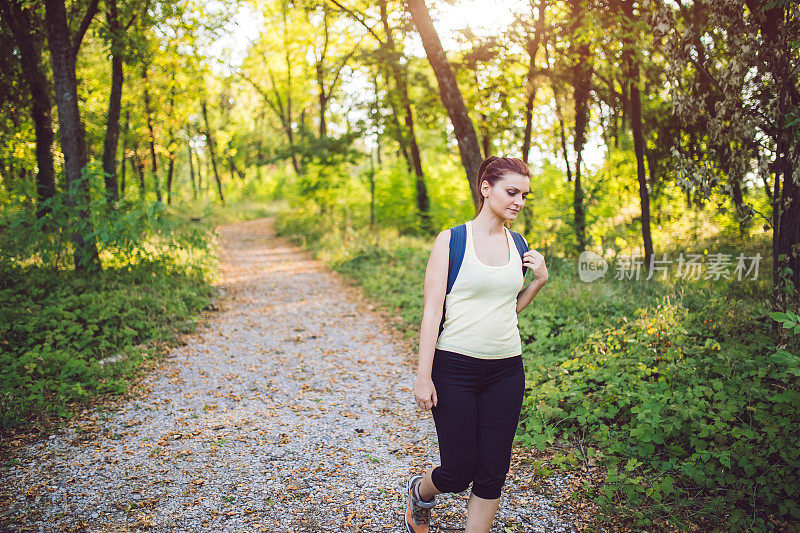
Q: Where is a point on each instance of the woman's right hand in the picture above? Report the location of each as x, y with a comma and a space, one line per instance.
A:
425, 393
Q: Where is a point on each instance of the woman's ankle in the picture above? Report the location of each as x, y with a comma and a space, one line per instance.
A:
423, 495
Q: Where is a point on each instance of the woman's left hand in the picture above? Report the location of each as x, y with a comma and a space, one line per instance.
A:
535, 261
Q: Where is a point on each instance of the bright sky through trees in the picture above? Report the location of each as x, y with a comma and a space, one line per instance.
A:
483, 17
243, 27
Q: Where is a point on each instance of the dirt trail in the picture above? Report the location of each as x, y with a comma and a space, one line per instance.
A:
291, 411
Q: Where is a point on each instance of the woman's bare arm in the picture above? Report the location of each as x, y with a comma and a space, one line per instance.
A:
535, 261
435, 289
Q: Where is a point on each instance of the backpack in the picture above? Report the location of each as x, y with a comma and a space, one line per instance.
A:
458, 245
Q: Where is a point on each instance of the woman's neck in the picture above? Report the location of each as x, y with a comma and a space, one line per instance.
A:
488, 223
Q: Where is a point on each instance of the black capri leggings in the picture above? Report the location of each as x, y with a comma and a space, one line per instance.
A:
479, 402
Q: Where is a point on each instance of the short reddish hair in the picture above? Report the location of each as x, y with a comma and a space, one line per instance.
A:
494, 169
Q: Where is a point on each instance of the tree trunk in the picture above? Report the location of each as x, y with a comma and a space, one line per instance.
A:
199, 174
638, 147
450, 95
292, 148
371, 192
288, 119
30, 48
124, 154
323, 102
400, 136
114, 106
423, 202
170, 170
554, 84
138, 166
526, 136
632, 66
532, 48
486, 140
560, 116
235, 170
408, 135
581, 79
171, 141
786, 212
210, 142
741, 209
191, 163
149, 117
786, 235
577, 206
73, 140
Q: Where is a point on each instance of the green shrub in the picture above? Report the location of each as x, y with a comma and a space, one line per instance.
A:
681, 403
56, 325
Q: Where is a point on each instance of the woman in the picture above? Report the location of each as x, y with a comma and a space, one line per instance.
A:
471, 376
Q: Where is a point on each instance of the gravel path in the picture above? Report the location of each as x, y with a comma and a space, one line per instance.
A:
291, 411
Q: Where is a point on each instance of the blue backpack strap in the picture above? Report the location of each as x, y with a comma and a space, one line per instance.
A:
458, 245
522, 247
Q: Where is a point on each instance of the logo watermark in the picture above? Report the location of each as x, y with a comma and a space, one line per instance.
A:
592, 266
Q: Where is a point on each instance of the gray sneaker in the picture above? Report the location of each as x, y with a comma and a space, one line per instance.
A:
418, 511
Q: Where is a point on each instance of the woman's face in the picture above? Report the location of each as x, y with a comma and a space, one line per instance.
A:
507, 196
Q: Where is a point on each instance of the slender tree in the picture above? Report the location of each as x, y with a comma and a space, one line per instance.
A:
211, 154
191, 162
148, 114
116, 37
25, 28
114, 104
408, 135
631, 65
450, 94
73, 142
171, 144
532, 43
581, 76
323, 71
558, 88
125, 132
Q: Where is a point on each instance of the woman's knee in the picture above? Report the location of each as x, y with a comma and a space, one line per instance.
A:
452, 480
491, 476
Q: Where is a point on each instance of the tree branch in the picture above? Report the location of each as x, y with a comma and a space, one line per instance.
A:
358, 19
339, 71
263, 94
610, 84
91, 11
135, 15
282, 114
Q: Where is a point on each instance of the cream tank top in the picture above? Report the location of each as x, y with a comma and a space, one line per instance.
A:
481, 308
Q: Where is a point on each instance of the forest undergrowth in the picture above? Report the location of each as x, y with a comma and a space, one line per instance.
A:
69, 338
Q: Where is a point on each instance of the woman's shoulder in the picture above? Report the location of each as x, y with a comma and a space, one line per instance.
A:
462, 227
443, 238
445, 235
